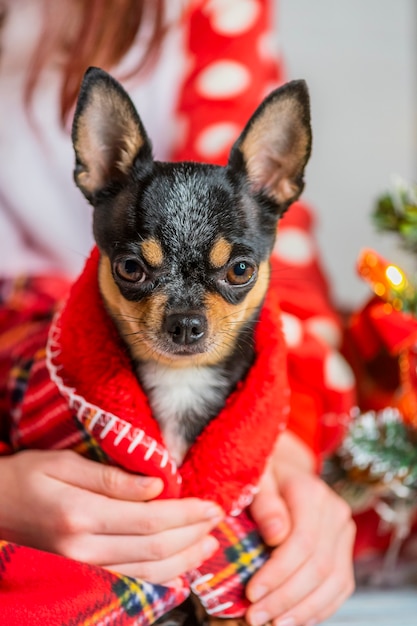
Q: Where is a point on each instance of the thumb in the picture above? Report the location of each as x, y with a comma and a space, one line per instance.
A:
270, 512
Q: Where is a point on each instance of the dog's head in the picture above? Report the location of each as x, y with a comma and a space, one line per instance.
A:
185, 246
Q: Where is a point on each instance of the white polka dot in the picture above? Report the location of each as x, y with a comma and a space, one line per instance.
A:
233, 17
216, 138
268, 46
223, 79
294, 246
325, 329
292, 329
337, 373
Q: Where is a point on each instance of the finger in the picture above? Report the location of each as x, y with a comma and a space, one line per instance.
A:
309, 527
297, 549
331, 607
285, 599
331, 596
158, 516
160, 572
317, 607
284, 562
73, 469
94, 514
313, 587
326, 599
270, 512
107, 549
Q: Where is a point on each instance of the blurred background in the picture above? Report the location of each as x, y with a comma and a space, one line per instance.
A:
359, 59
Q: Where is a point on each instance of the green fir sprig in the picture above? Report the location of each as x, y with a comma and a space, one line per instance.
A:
396, 211
377, 459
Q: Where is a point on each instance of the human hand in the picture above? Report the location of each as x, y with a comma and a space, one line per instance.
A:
310, 573
63, 503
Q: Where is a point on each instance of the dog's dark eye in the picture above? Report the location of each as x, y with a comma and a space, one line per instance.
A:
240, 273
130, 270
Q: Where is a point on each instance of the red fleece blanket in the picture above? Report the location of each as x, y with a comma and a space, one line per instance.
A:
93, 372
80, 392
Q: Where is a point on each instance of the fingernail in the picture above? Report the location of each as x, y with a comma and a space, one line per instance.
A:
273, 527
214, 512
144, 481
148, 481
287, 621
256, 593
259, 618
175, 583
210, 545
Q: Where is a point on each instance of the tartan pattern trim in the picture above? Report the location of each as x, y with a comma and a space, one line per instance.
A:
131, 602
6, 554
145, 601
52, 590
220, 582
30, 392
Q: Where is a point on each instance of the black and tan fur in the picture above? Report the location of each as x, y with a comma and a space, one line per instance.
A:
185, 247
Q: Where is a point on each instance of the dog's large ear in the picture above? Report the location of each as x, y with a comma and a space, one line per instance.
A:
107, 134
275, 145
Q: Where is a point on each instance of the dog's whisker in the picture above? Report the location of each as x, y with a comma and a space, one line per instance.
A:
134, 333
237, 314
129, 318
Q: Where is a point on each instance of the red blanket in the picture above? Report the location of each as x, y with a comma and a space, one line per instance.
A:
80, 391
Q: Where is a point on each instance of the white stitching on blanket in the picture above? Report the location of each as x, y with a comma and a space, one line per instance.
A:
91, 415
210, 598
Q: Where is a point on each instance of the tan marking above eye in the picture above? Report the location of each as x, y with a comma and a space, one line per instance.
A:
220, 253
152, 252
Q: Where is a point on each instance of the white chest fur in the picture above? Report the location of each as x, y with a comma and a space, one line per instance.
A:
180, 398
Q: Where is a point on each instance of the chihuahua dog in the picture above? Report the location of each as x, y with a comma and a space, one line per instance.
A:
185, 247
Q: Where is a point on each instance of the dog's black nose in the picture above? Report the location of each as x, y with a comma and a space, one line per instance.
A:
185, 329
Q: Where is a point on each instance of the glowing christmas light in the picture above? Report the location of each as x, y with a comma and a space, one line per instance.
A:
395, 276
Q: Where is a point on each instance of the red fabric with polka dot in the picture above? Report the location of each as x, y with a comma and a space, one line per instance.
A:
231, 67
230, 72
